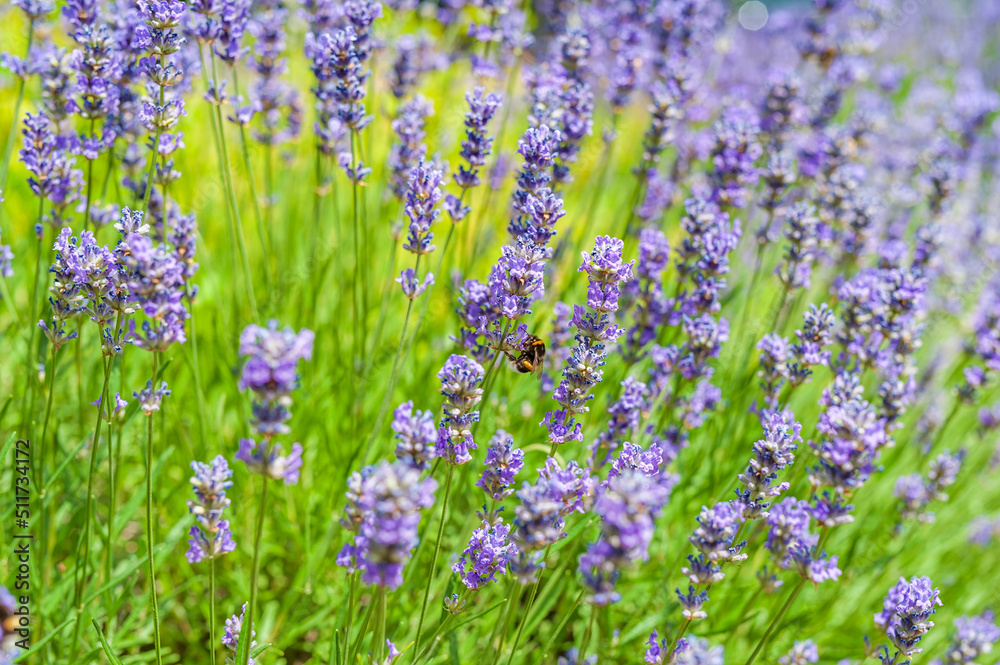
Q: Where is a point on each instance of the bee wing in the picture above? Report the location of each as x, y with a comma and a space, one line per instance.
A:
539, 364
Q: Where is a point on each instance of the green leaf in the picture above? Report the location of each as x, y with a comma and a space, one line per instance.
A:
259, 650
108, 649
6, 446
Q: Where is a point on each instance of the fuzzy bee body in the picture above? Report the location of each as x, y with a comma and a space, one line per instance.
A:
532, 357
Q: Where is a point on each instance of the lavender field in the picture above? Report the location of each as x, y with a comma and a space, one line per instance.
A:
494, 332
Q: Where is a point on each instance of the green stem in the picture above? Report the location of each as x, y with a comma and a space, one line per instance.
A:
237, 222
211, 611
154, 607
8, 149
430, 289
251, 180
358, 343
84, 562
350, 612
378, 637
256, 560
152, 160
437, 551
393, 376
527, 608
513, 593
582, 657
32, 327
774, 623
90, 184
197, 373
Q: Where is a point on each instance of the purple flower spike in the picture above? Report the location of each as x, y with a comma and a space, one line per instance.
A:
271, 372
801, 653
383, 511
478, 143
596, 332
411, 284
234, 631
503, 461
974, 637
486, 555
905, 616
211, 537
461, 380
416, 435
268, 461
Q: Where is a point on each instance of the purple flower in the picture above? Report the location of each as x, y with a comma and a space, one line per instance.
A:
852, 439
974, 637
905, 616
716, 532
478, 143
503, 462
485, 556
411, 284
265, 459
595, 333
234, 630
771, 454
536, 219
211, 537
149, 399
733, 156
415, 56
793, 546
422, 195
801, 232
801, 653
409, 148
416, 435
915, 494
557, 493
628, 506
383, 511
461, 380
272, 356
47, 158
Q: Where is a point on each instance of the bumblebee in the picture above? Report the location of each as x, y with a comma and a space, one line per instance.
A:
532, 357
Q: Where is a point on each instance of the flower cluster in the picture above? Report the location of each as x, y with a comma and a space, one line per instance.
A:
596, 332
793, 546
475, 148
461, 379
905, 617
409, 148
231, 638
47, 157
383, 511
915, 492
628, 505
486, 555
974, 637
503, 461
270, 372
416, 435
771, 454
540, 516
210, 537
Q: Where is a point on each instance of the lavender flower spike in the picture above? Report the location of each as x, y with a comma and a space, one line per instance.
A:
231, 638
211, 537
487, 555
503, 461
271, 373
905, 617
